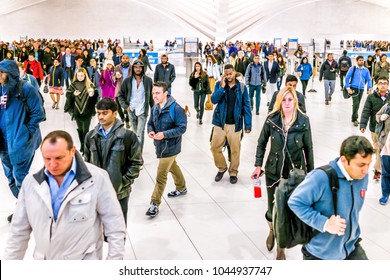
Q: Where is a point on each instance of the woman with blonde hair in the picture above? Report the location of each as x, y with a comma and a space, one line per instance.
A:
291, 146
81, 98
199, 82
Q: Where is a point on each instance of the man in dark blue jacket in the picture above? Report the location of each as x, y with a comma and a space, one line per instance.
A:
166, 125
312, 202
232, 110
20, 115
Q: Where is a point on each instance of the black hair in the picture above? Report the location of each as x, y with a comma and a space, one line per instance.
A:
107, 104
354, 145
383, 78
359, 57
59, 134
228, 66
291, 78
162, 85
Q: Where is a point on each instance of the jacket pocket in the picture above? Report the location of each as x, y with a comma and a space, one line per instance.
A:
271, 164
80, 208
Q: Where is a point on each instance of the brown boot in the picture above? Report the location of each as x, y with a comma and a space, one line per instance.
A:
280, 254
270, 242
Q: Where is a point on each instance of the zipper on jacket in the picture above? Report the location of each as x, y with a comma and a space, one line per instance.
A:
350, 220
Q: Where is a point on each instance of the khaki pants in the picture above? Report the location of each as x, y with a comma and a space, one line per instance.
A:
165, 166
377, 165
218, 142
212, 84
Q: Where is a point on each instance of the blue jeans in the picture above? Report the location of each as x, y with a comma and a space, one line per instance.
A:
385, 177
137, 124
279, 82
329, 88
252, 90
15, 172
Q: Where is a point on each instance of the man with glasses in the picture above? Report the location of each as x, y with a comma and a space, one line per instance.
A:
374, 103
355, 80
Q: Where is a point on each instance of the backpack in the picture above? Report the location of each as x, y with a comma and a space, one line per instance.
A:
289, 230
22, 98
344, 65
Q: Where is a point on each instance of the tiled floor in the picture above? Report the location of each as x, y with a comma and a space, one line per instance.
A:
219, 221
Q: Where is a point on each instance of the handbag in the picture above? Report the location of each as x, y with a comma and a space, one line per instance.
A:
346, 95
45, 89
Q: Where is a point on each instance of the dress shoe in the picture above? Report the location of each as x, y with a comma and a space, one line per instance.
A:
219, 176
233, 179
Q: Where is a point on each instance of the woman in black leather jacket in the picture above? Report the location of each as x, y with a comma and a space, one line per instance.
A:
291, 146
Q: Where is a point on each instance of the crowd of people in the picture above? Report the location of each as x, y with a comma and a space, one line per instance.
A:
232, 76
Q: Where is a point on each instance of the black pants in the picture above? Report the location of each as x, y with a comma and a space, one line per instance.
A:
304, 86
199, 99
356, 103
342, 76
123, 114
270, 198
357, 254
82, 130
124, 202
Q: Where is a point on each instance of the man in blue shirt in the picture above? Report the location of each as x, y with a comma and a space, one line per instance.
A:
355, 80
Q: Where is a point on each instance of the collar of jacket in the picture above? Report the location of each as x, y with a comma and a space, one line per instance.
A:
115, 129
82, 172
376, 92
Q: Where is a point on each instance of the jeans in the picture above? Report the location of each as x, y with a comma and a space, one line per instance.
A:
385, 178
15, 172
356, 103
199, 99
137, 124
82, 130
252, 90
279, 82
329, 88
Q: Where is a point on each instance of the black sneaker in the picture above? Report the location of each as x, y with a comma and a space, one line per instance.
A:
9, 218
233, 179
219, 176
127, 125
152, 211
177, 193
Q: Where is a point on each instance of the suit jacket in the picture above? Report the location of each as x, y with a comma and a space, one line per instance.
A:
273, 73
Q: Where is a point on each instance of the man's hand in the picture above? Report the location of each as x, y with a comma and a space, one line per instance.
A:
369, 91
151, 134
336, 225
350, 91
362, 130
159, 136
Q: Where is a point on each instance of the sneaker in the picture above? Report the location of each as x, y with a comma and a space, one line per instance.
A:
383, 200
377, 175
233, 179
219, 176
127, 125
355, 123
257, 113
9, 218
200, 122
330, 98
153, 210
177, 193
326, 102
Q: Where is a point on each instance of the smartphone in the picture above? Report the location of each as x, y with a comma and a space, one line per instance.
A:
226, 81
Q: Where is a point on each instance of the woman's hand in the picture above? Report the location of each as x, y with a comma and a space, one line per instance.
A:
76, 92
257, 173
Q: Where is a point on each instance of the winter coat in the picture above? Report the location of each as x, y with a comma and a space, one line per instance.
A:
373, 104
107, 83
255, 75
242, 108
325, 70
56, 77
312, 202
160, 120
23, 137
90, 208
165, 74
119, 154
306, 70
299, 145
200, 84
34, 68
81, 107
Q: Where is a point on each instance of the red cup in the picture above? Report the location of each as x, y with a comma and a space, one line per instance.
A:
257, 191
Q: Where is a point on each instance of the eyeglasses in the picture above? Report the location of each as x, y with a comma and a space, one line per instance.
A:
383, 83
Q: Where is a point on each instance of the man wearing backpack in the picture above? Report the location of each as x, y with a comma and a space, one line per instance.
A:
232, 112
255, 77
344, 64
167, 123
312, 201
20, 115
355, 82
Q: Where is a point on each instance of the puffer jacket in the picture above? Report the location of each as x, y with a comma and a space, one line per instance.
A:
299, 145
119, 154
90, 208
161, 121
373, 104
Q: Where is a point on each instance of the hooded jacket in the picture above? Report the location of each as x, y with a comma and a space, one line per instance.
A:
161, 121
119, 154
22, 137
312, 202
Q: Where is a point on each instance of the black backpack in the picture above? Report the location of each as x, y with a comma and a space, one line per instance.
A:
289, 230
344, 65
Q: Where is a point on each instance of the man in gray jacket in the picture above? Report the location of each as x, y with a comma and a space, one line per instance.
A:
165, 72
114, 148
68, 205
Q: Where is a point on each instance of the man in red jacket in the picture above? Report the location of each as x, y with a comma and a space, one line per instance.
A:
34, 68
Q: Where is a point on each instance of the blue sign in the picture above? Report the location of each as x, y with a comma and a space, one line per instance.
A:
292, 44
364, 54
153, 56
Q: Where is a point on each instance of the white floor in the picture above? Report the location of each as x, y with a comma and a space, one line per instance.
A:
219, 221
